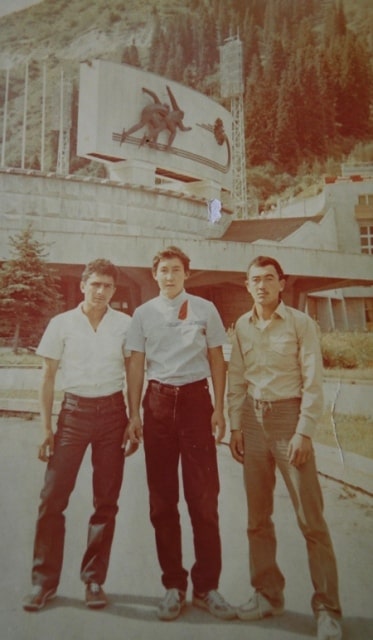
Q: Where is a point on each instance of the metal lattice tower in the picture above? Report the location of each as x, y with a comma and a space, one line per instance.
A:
231, 79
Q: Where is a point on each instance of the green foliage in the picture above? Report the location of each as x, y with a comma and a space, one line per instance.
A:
347, 350
307, 67
29, 289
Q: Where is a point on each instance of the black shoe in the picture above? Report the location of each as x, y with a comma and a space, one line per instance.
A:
95, 597
38, 597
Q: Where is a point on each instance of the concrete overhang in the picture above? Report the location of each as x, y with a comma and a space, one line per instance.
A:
216, 262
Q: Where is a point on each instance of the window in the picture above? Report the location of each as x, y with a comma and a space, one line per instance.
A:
365, 199
366, 238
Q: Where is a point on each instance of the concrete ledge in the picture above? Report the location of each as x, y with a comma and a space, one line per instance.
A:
346, 467
25, 405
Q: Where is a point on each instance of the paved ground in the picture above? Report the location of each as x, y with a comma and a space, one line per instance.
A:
133, 583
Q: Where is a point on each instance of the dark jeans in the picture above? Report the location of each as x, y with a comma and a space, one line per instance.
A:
177, 425
99, 422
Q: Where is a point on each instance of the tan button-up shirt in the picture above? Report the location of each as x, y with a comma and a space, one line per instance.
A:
280, 361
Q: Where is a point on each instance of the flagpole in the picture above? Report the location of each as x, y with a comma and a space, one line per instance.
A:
43, 117
5, 116
24, 118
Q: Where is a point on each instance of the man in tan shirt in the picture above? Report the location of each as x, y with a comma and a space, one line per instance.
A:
275, 401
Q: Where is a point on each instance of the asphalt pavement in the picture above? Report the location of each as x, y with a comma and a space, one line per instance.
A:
133, 584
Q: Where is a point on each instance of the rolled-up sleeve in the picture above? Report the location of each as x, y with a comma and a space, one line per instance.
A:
237, 386
135, 337
215, 332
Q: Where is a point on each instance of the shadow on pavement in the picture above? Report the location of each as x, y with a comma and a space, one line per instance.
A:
144, 608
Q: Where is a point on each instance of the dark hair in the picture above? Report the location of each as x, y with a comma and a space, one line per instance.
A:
102, 267
168, 254
265, 261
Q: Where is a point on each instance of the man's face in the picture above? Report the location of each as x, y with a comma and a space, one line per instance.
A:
98, 290
171, 277
265, 285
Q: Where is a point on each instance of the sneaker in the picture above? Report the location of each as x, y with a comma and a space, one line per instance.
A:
38, 597
328, 628
213, 602
258, 607
95, 597
171, 605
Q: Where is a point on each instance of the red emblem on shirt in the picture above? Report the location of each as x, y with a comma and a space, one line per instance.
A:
183, 311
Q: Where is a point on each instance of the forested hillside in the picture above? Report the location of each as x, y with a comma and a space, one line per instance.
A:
308, 73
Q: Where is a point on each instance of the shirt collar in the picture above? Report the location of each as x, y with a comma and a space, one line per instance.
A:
280, 311
79, 310
174, 302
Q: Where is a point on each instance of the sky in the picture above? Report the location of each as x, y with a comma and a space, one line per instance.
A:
7, 6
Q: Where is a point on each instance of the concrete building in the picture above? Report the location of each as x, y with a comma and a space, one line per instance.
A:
82, 219
161, 193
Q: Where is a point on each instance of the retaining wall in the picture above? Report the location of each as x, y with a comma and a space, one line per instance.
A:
349, 398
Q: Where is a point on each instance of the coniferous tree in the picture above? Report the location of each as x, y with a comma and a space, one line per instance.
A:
355, 88
29, 288
260, 119
250, 43
327, 97
286, 135
209, 41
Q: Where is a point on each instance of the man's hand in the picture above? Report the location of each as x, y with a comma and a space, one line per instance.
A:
46, 449
133, 435
128, 446
299, 449
236, 446
218, 425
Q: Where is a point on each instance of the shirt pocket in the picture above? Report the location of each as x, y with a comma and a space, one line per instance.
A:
283, 350
247, 350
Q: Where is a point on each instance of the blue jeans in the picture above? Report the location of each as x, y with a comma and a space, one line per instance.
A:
177, 426
99, 422
267, 430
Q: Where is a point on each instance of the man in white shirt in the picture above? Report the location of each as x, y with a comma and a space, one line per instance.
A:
88, 344
180, 336
275, 401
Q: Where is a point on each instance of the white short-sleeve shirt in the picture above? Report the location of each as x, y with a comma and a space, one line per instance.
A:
175, 336
92, 362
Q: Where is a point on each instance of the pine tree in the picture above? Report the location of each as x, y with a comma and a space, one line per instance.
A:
30, 291
286, 134
355, 84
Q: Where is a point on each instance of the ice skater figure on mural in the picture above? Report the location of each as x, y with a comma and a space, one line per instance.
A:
179, 337
274, 402
88, 342
158, 117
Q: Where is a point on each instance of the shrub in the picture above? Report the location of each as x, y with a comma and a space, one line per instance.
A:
347, 350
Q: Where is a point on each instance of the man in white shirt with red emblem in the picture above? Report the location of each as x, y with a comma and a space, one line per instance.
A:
179, 337
88, 343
